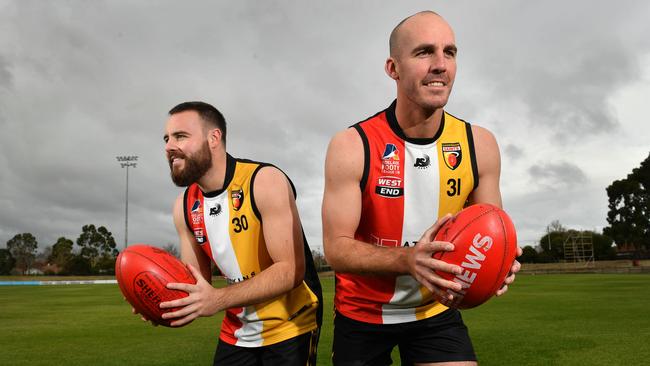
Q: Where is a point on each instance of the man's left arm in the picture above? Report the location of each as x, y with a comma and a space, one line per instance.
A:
488, 161
284, 243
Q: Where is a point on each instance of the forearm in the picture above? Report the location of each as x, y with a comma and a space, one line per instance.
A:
348, 255
273, 281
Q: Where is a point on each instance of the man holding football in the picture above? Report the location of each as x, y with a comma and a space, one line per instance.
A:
241, 216
387, 180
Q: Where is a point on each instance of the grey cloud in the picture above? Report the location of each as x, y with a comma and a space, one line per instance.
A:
557, 175
5, 75
563, 66
513, 152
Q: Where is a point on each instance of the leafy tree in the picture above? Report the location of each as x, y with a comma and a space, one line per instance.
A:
97, 246
529, 255
61, 252
629, 208
105, 264
603, 249
23, 249
78, 265
7, 262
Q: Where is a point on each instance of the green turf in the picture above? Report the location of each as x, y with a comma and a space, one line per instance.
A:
543, 320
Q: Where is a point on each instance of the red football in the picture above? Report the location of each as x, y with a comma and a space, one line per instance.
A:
485, 243
142, 272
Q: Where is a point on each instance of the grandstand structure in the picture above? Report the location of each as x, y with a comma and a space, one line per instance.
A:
579, 248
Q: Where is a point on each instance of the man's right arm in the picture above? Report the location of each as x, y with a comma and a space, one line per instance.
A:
341, 213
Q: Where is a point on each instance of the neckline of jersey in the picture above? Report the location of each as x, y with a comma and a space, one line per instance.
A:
395, 127
231, 163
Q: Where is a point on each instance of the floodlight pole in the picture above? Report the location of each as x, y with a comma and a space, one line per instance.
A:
126, 162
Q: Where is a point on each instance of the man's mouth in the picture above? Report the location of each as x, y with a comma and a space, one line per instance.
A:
435, 83
173, 160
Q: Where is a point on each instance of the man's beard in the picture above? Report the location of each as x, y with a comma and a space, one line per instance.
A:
196, 165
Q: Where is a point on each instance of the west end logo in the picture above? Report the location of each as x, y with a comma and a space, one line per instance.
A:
237, 198
390, 187
452, 155
199, 236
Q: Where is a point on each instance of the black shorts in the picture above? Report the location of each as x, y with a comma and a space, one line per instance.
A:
440, 338
297, 351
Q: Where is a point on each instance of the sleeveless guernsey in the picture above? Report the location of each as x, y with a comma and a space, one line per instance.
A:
226, 225
407, 185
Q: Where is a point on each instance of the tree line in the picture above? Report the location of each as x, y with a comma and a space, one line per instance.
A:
95, 253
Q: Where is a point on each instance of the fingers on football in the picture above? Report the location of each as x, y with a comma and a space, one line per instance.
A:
431, 280
181, 286
440, 293
502, 290
182, 316
177, 303
516, 266
433, 230
185, 320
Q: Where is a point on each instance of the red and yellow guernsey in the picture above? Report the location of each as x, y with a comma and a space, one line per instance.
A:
227, 226
407, 184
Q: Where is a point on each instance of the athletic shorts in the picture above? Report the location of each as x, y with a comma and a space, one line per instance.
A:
297, 351
440, 338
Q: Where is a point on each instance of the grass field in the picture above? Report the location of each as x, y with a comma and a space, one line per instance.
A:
543, 320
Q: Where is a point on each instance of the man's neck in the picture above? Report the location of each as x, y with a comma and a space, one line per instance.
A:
213, 179
416, 122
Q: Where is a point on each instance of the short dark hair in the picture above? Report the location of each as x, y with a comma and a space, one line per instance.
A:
207, 112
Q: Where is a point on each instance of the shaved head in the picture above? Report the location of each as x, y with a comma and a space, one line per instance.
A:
395, 36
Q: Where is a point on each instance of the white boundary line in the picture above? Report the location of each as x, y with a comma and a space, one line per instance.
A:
71, 282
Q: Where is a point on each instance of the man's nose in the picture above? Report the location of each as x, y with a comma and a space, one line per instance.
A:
438, 63
170, 146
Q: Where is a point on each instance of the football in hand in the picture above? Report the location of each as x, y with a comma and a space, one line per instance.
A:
142, 273
485, 247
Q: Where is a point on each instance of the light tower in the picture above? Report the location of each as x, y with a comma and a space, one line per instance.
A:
126, 162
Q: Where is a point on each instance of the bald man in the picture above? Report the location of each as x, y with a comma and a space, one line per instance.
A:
391, 181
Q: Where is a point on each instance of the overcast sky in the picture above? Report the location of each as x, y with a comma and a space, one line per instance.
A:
563, 85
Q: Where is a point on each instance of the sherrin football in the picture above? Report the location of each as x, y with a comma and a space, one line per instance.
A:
142, 273
485, 247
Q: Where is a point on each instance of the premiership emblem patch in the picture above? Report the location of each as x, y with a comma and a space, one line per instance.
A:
237, 198
197, 213
390, 152
452, 154
390, 163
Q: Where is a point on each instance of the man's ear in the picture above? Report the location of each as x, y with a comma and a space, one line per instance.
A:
391, 68
214, 137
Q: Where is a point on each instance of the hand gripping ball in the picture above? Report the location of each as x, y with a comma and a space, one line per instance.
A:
485, 247
142, 273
